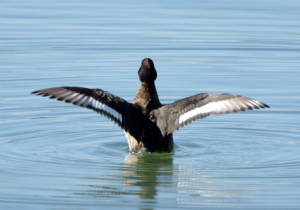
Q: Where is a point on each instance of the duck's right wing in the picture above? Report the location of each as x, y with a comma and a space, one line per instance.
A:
182, 112
103, 102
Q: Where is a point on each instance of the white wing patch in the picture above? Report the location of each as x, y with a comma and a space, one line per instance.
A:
206, 109
98, 105
85, 101
221, 107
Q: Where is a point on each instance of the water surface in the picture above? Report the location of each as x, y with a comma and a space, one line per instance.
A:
58, 156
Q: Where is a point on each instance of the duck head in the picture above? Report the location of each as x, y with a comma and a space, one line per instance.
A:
147, 72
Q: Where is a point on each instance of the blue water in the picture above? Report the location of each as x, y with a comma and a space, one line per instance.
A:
58, 156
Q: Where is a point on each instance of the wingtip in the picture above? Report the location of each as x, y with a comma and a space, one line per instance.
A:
34, 92
265, 105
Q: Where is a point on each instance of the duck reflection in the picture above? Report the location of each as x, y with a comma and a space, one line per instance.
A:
144, 170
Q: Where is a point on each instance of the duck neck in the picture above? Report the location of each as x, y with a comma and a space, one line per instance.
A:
147, 98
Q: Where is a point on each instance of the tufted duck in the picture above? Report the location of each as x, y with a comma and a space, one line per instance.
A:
149, 125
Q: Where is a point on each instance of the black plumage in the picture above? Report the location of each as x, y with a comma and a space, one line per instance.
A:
147, 123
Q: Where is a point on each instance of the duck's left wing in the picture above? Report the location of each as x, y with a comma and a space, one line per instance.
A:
98, 100
182, 112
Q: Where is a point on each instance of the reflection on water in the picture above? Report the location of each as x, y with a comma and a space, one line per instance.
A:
142, 175
144, 170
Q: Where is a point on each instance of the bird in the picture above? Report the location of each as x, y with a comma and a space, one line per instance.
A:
148, 124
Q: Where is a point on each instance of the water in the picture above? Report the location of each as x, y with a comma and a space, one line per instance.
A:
58, 156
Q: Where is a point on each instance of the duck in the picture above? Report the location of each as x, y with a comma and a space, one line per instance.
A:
147, 123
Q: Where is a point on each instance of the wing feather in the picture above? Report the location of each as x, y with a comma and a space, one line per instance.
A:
98, 100
182, 112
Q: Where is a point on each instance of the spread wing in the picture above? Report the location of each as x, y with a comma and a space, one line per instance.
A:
184, 111
105, 103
